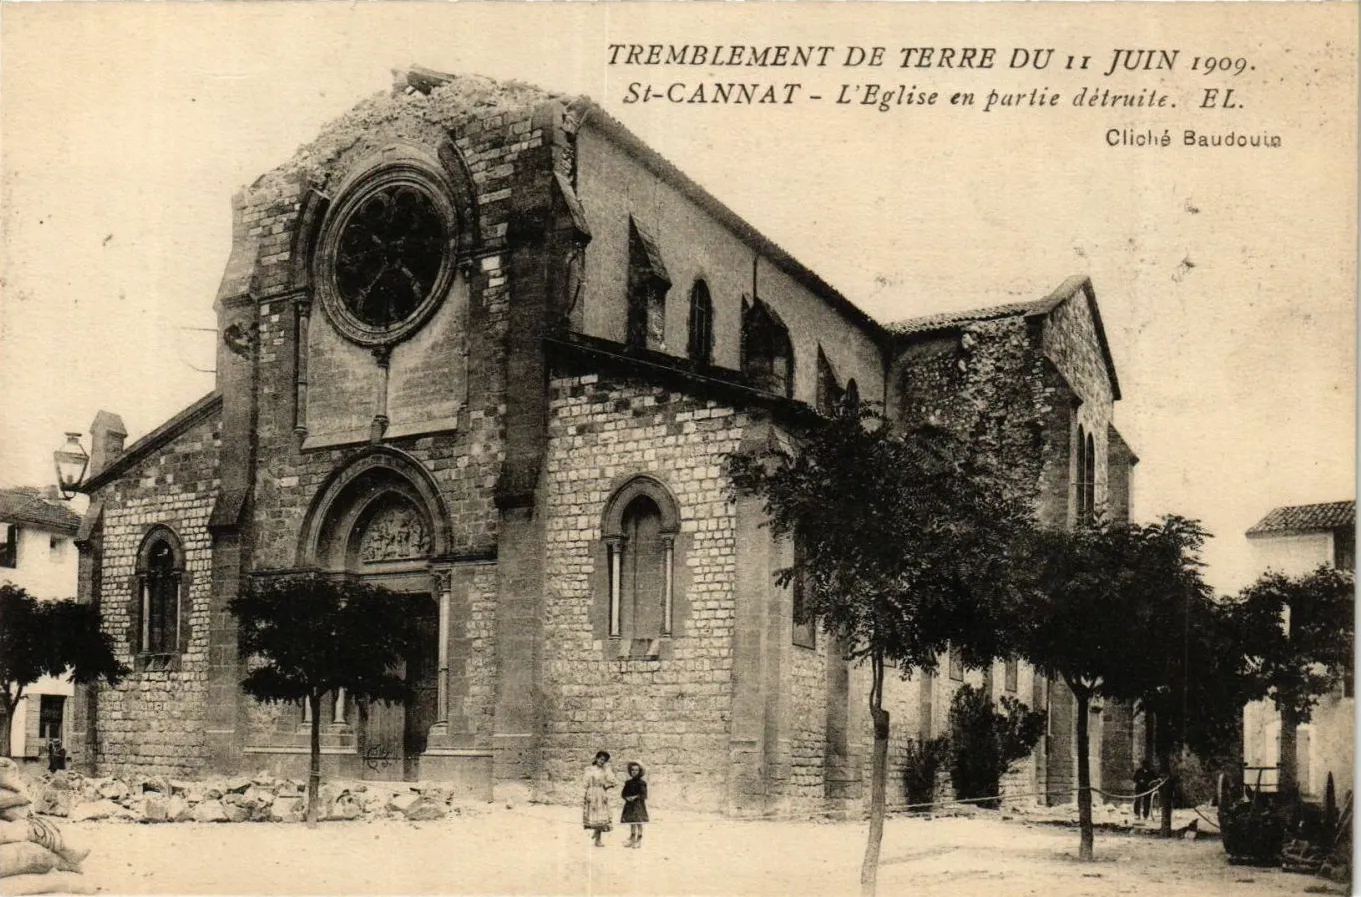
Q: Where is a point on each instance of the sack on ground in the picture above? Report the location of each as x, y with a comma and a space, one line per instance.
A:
23, 857
10, 780
9, 799
14, 831
51, 883
13, 814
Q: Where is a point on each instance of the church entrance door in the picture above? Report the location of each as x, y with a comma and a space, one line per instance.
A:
394, 736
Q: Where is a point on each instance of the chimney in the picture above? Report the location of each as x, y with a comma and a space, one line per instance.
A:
106, 441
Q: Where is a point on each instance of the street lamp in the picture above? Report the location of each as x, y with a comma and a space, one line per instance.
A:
71, 462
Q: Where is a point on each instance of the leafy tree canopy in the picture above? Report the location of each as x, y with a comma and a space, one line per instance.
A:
52, 638
311, 634
905, 540
1297, 635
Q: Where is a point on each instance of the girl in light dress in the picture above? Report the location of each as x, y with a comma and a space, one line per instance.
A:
595, 806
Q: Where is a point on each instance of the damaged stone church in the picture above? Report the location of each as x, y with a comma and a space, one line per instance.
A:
482, 344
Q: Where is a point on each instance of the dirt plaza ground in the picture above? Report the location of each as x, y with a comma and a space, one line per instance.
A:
539, 849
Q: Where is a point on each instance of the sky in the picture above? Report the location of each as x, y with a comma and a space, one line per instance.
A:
1226, 277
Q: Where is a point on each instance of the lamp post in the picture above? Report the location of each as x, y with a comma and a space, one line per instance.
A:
71, 462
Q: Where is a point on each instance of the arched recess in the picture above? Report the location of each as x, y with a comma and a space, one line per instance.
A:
767, 352
381, 518
641, 577
158, 609
375, 493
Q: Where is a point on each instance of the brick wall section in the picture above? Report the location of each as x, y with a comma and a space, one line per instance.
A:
808, 723
152, 723
480, 672
670, 714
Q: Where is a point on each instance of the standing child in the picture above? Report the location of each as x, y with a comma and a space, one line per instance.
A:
635, 804
595, 806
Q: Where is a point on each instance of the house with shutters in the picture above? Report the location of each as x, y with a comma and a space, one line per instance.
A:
482, 344
38, 554
1296, 540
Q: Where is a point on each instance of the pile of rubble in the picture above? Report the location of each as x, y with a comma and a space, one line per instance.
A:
258, 798
34, 856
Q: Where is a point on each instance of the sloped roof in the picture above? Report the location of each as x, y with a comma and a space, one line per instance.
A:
946, 320
26, 506
1306, 519
1073, 286
158, 437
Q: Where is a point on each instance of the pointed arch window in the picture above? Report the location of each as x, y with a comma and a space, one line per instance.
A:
830, 392
159, 630
648, 283
767, 353
1083, 478
1089, 486
641, 581
701, 341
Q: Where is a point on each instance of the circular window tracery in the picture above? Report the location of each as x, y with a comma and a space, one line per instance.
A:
387, 253
390, 254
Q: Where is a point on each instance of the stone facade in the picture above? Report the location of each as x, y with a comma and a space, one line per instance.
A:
519, 405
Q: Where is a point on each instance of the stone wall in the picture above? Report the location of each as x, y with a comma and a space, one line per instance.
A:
808, 723
460, 351
986, 381
153, 721
696, 245
670, 713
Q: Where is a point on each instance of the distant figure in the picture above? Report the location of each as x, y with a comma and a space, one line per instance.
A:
1143, 781
56, 756
595, 806
635, 804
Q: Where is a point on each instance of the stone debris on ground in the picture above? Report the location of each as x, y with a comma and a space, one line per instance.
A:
259, 798
34, 856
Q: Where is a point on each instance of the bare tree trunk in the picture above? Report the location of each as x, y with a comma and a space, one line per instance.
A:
7, 708
314, 767
1166, 792
869, 871
1084, 778
1289, 780
6, 719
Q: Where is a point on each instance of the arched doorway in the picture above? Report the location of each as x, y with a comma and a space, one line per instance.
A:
382, 521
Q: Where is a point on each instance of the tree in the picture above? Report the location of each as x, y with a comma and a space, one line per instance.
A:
1296, 635
48, 638
1096, 616
985, 742
1193, 688
903, 549
309, 634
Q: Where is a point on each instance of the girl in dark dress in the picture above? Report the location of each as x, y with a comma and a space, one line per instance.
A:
635, 804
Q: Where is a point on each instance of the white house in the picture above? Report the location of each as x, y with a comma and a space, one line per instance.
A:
1297, 540
38, 554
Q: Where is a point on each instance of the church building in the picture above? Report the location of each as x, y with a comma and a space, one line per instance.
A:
480, 343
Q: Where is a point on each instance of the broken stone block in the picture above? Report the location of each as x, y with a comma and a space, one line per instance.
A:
113, 789
156, 809
209, 811
55, 802
177, 809
287, 808
403, 802
93, 811
425, 809
345, 807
